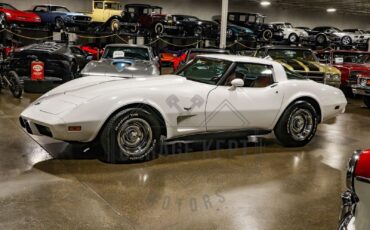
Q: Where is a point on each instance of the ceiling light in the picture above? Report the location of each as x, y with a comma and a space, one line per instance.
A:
331, 10
265, 3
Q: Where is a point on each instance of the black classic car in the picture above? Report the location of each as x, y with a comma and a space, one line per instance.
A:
151, 19
256, 23
61, 61
193, 26
59, 17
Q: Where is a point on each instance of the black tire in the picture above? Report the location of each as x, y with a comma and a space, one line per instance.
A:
287, 130
141, 123
59, 24
114, 26
229, 33
293, 38
267, 35
16, 87
158, 28
198, 31
3, 22
321, 39
346, 41
367, 101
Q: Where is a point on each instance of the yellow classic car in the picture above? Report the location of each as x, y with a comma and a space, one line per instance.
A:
302, 61
104, 10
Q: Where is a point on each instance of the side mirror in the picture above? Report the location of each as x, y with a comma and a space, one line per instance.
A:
236, 83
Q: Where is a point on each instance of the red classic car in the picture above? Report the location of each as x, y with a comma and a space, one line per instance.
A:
93, 50
9, 15
351, 63
362, 87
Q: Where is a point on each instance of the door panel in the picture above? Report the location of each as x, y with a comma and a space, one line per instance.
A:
255, 105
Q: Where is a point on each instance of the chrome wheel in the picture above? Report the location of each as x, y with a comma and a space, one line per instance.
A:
346, 41
267, 35
293, 38
301, 124
135, 137
321, 39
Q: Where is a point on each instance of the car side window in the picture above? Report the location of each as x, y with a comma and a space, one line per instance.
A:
41, 9
251, 18
254, 75
231, 17
98, 5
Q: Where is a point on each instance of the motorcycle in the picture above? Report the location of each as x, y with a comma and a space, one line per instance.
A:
9, 79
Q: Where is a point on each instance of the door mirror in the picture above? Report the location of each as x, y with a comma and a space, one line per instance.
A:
236, 83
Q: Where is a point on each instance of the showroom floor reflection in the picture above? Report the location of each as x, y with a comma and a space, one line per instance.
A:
223, 185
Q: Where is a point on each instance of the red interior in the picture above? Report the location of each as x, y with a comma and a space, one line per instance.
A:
363, 165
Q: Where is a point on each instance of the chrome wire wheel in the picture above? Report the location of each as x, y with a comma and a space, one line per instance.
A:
135, 137
301, 124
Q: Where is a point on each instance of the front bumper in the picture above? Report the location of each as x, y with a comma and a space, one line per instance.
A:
361, 90
347, 217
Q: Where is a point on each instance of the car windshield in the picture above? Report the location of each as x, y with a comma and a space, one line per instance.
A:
194, 54
126, 52
347, 57
260, 19
191, 19
205, 70
288, 25
286, 54
7, 6
59, 9
156, 11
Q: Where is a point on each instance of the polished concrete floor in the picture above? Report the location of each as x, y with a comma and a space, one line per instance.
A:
46, 184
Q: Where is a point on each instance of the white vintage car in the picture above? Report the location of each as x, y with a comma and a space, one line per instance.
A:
292, 34
356, 200
212, 96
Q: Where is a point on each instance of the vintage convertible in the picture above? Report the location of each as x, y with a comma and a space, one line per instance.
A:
126, 61
291, 34
356, 200
214, 96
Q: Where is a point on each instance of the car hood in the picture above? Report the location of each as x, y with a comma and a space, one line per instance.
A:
307, 66
120, 68
24, 14
74, 14
91, 87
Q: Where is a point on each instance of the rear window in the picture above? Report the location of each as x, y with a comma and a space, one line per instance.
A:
291, 75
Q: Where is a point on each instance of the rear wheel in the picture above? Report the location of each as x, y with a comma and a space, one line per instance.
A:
367, 101
320, 39
15, 84
130, 135
297, 126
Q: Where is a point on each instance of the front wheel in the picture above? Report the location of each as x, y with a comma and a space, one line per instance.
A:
346, 41
367, 101
59, 24
293, 38
15, 84
130, 135
320, 39
298, 124
159, 29
267, 35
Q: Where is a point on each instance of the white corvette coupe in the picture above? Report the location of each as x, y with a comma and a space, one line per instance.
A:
212, 96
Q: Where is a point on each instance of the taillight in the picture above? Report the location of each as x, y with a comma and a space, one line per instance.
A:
358, 167
363, 165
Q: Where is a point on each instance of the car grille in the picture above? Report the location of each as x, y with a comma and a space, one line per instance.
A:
352, 79
81, 18
315, 76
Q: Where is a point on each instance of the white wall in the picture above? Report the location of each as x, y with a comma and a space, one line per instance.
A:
205, 9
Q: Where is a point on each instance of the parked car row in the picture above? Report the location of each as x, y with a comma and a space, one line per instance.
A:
150, 20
